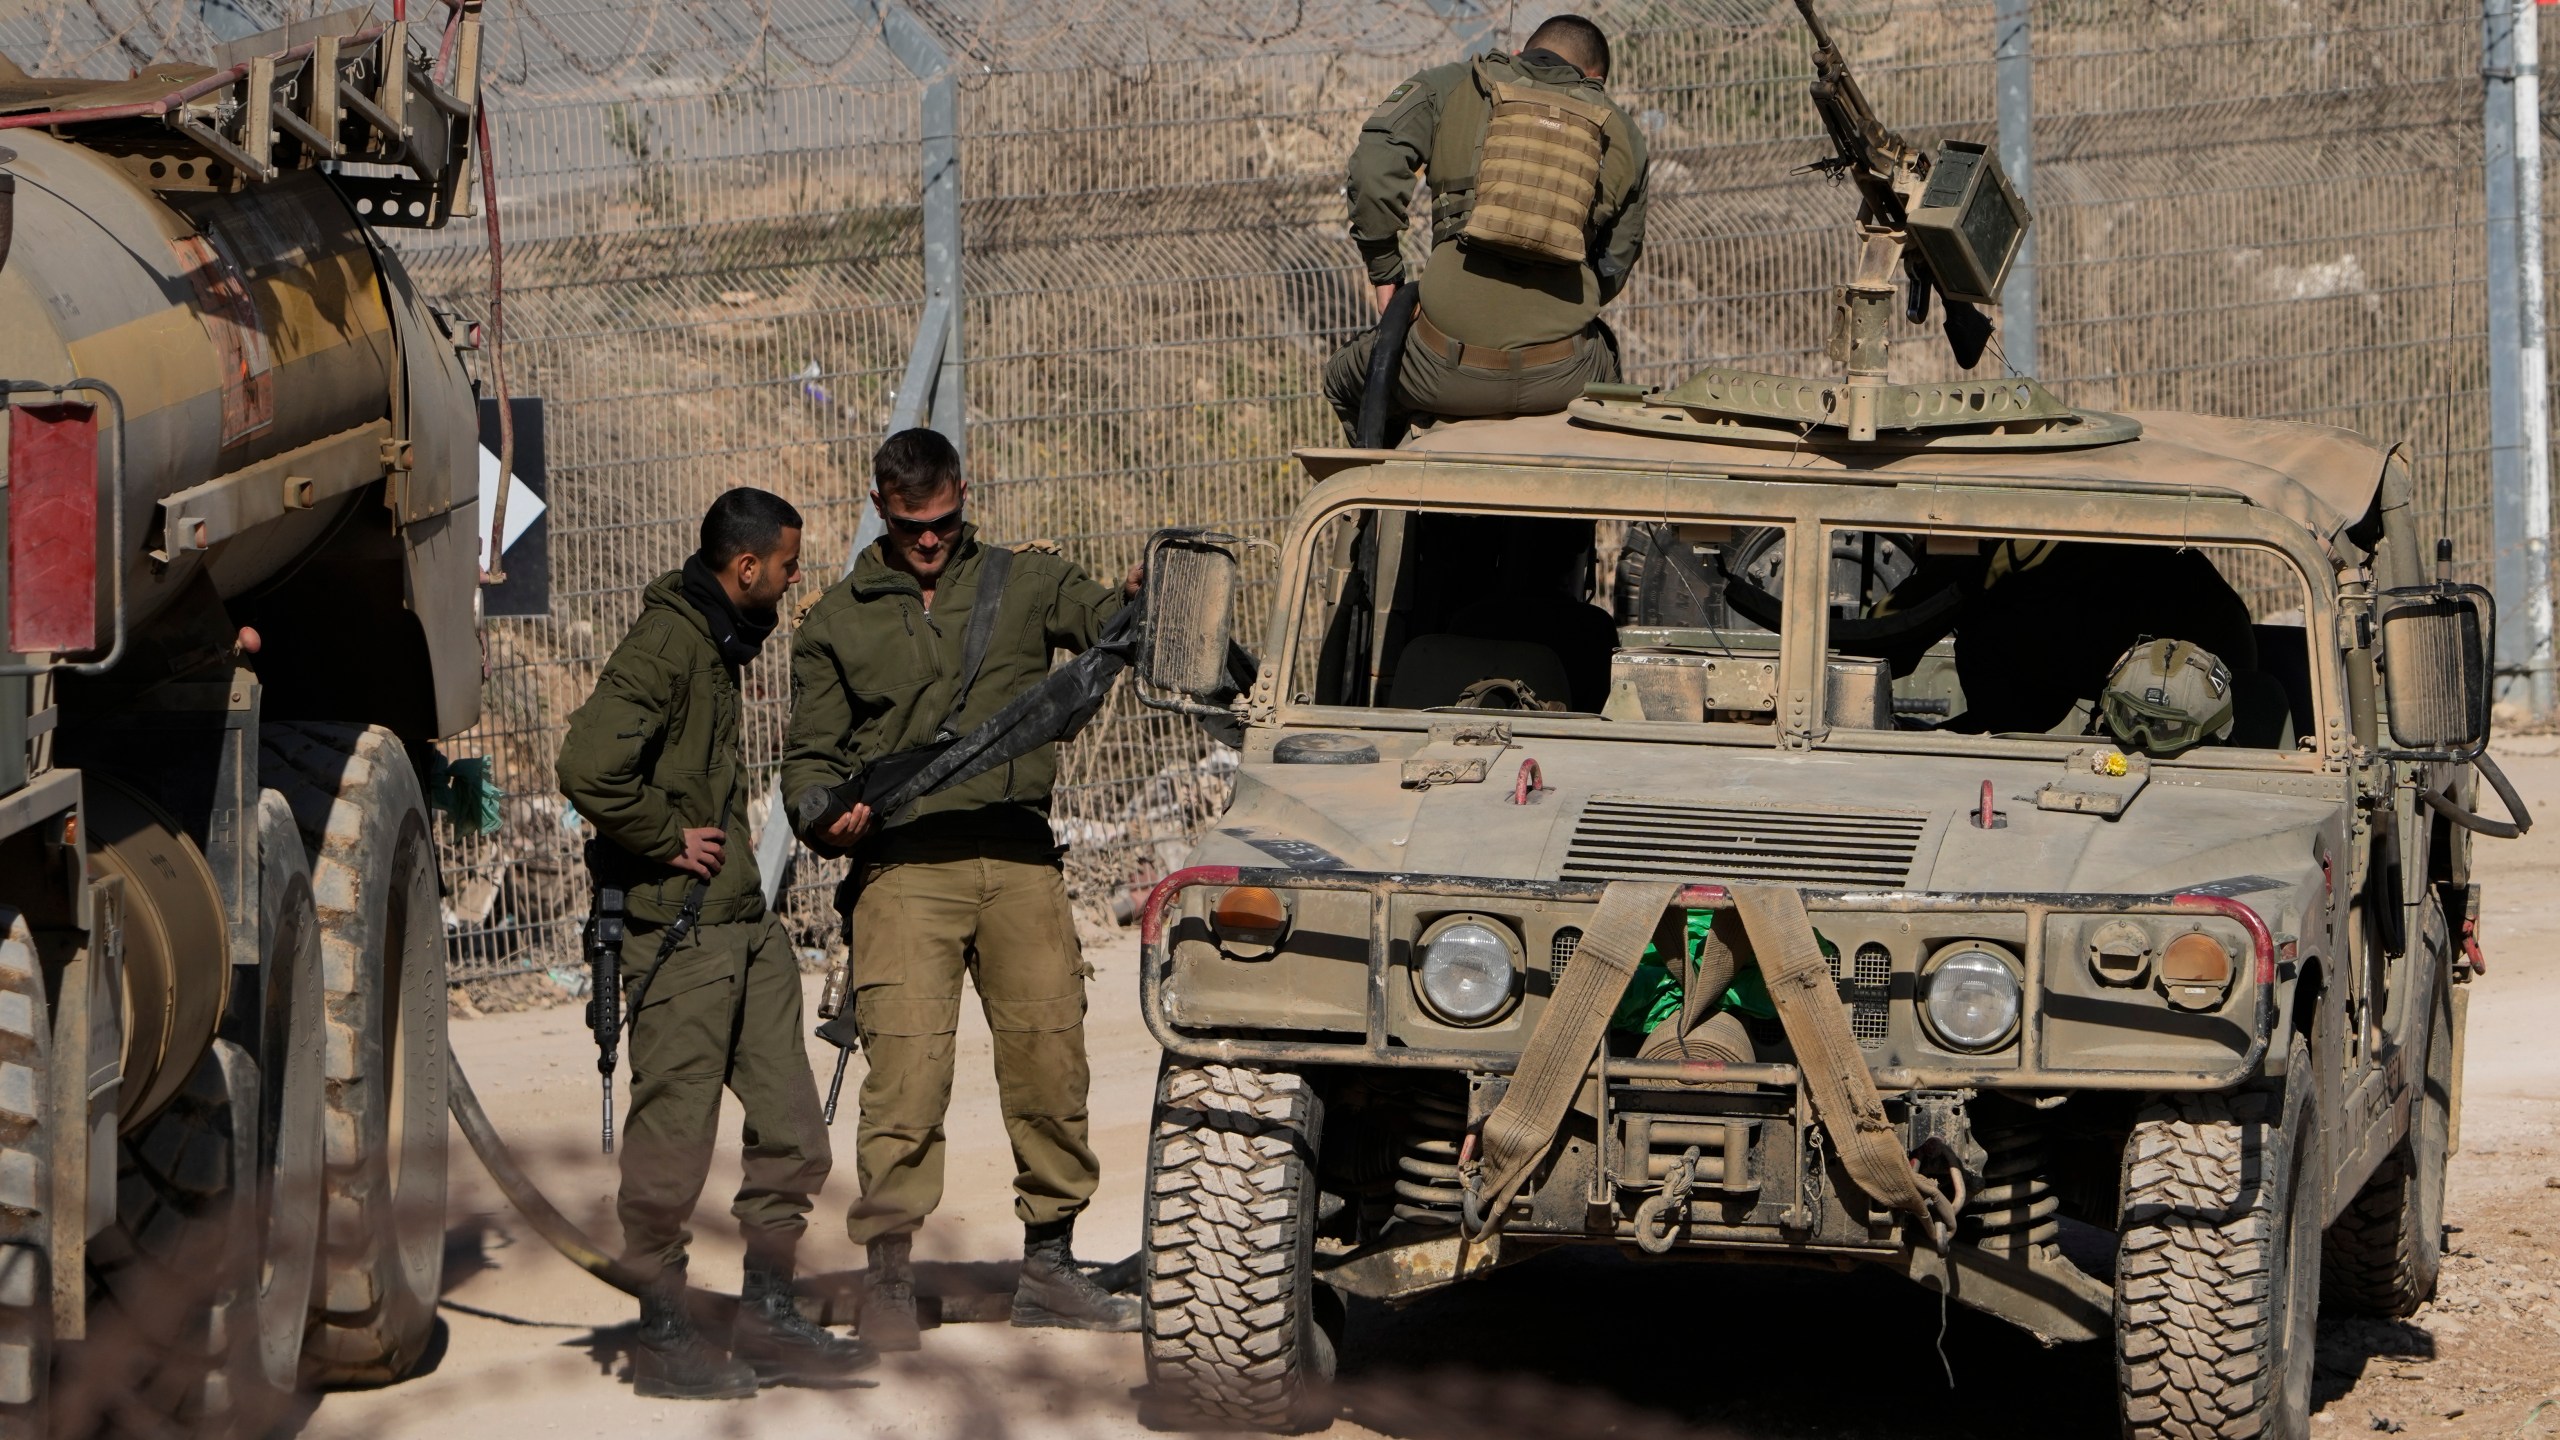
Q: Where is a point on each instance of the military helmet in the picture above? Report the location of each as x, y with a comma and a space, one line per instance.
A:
2164, 696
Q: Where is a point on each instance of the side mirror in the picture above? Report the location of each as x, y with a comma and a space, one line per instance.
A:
2435, 646
1190, 598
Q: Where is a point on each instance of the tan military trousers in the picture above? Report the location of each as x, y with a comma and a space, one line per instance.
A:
1431, 384
725, 1013
919, 926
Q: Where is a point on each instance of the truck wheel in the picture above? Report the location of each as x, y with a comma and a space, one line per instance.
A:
1233, 1332
2384, 1254
293, 1084
26, 1188
188, 1227
356, 800
168, 1279
2218, 1264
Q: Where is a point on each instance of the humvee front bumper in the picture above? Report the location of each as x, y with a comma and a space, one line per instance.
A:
2032, 1067
1744, 1141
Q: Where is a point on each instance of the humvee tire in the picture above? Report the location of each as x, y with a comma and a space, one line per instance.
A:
2218, 1264
356, 799
2386, 1251
1233, 1338
26, 1187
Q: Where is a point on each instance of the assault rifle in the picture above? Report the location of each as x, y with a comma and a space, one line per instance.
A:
604, 936
1894, 179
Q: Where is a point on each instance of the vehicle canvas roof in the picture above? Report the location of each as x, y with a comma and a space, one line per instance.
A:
2320, 477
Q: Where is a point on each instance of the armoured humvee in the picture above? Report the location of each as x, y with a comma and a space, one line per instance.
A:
1803, 902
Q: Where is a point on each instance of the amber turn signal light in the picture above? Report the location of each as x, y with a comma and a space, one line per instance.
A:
1251, 915
2195, 970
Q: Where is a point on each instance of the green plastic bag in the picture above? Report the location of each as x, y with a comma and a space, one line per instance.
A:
1653, 993
463, 792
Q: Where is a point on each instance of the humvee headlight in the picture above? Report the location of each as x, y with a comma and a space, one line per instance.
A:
1469, 969
1970, 997
2195, 972
1251, 917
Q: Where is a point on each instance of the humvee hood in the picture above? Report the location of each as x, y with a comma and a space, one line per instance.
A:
1709, 814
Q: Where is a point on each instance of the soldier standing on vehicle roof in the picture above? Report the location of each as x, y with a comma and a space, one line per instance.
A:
652, 760
1537, 217
932, 633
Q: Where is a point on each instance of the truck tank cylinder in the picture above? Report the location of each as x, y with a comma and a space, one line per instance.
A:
235, 327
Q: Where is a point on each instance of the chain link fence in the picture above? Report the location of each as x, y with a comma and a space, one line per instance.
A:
712, 266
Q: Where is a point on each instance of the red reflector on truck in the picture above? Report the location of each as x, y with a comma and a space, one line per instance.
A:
53, 528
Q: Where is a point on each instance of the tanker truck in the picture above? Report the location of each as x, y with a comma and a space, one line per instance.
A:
240, 472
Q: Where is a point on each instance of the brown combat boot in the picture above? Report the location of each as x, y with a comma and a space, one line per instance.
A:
1055, 1293
889, 1297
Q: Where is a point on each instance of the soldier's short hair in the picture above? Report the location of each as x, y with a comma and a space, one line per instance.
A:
914, 466
1575, 39
745, 521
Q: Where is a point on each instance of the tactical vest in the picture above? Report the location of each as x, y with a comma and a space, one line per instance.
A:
1515, 168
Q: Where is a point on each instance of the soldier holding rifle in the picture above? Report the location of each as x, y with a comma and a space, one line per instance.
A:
652, 760
932, 633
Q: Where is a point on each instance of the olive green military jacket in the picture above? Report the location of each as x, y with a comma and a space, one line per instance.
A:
652, 752
873, 673
1476, 295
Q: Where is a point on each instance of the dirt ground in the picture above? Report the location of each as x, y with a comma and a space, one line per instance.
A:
1575, 1346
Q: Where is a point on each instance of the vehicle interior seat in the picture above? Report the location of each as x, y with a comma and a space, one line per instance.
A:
1435, 669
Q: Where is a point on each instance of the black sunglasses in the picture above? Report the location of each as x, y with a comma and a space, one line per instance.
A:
942, 524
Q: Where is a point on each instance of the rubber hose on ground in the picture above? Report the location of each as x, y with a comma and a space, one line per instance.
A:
520, 1191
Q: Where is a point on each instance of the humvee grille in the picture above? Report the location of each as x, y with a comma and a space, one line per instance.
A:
1625, 837
1560, 951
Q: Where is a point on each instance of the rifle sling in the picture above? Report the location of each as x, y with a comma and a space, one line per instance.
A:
992, 572
687, 915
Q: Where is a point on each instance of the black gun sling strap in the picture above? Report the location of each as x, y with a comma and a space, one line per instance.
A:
979, 633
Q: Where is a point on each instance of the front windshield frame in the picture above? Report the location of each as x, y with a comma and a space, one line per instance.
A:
1806, 513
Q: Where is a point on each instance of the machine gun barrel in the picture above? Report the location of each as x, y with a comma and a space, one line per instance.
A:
1861, 146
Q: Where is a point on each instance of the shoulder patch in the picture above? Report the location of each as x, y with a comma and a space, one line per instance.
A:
1400, 102
801, 611
1035, 547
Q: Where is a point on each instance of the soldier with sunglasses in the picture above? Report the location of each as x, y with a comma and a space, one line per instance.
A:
965, 882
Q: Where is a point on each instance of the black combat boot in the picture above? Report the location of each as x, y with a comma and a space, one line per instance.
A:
1055, 1293
673, 1361
771, 1335
889, 1297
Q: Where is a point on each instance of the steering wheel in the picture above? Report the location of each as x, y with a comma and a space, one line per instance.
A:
1930, 615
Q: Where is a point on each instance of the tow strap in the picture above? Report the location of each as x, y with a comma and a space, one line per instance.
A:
1837, 1080
1522, 1131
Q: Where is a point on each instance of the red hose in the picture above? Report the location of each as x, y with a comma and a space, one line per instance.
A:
496, 571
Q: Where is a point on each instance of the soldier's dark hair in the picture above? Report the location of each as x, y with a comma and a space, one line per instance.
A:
1575, 39
914, 466
745, 521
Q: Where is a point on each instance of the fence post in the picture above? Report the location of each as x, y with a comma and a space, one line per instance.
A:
934, 381
2519, 395
2013, 81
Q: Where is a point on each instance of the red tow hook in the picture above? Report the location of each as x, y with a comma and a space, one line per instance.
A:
1988, 818
2471, 945
1531, 784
